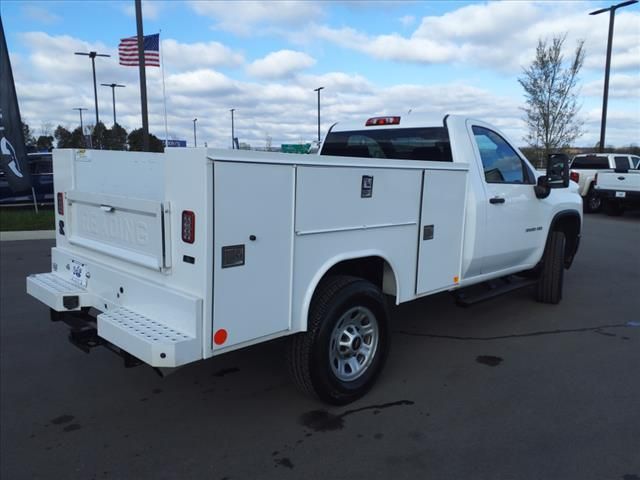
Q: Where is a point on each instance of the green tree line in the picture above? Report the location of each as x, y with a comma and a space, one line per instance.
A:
99, 138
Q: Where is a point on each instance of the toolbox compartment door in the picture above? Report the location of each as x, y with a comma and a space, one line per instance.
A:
441, 230
133, 230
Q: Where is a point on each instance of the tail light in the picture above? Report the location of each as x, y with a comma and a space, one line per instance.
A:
60, 198
188, 226
383, 121
575, 176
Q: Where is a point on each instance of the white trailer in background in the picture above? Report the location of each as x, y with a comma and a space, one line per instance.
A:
176, 257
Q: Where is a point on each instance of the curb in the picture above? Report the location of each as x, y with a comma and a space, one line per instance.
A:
27, 235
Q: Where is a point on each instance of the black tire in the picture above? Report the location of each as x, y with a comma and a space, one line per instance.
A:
309, 354
549, 287
592, 203
613, 208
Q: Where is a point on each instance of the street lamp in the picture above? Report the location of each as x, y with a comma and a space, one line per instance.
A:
233, 136
605, 97
195, 143
318, 90
92, 56
113, 94
80, 109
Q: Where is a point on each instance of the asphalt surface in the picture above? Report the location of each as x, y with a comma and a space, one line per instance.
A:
507, 389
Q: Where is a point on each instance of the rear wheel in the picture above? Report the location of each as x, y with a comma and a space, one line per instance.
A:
592, 202
344, 349
549, 288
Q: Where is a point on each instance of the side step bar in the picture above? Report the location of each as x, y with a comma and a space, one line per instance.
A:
492, 289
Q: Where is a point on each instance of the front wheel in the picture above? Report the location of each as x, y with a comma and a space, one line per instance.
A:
549, 287
344, 349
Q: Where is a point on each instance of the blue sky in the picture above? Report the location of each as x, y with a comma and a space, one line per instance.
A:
265, 58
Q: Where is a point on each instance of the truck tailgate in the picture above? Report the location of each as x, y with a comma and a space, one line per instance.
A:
134, 230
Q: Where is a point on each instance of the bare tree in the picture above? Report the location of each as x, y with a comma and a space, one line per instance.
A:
551, 94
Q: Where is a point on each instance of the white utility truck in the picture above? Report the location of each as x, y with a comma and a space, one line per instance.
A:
583, 169
176, 257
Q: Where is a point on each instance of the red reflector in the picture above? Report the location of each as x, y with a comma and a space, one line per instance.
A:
575, 176
60, 203
188, 226
220, 336
383, 121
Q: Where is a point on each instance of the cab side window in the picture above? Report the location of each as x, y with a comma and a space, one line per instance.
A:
501, 163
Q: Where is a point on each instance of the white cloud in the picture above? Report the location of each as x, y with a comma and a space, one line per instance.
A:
40, 14
496, 35
620, 86
280, 64
243, 17
196, 55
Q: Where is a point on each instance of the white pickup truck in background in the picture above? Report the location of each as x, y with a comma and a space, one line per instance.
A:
171, 258
618, 189
583, 172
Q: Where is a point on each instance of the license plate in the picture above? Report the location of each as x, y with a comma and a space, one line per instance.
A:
79, 274
621, 194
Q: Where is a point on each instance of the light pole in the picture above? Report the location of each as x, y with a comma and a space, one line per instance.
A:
605, 96
80, 109
113, 94
195, 143
92, 56
233, 136
318, 90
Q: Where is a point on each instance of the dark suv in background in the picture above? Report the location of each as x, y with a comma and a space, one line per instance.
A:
41, 169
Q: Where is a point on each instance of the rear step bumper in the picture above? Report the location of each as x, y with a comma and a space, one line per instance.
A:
147, 339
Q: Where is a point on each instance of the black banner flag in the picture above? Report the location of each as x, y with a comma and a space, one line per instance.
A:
13, 153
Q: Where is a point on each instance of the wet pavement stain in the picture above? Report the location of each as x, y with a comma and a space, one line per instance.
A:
323, 421
156, 390
285, 462
630, 476
72, 427
62, 419
489, 360
226, 371
378, 436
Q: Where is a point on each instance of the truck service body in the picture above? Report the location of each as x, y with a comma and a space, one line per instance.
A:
175, 257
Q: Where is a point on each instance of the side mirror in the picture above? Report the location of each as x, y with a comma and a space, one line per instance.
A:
558, 170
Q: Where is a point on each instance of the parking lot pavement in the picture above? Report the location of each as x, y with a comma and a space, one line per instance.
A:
508, 389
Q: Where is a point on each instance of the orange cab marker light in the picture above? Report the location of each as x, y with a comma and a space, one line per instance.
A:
455, 279
220, 336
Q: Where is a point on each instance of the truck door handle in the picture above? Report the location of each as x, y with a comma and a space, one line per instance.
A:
106, 208
495, 200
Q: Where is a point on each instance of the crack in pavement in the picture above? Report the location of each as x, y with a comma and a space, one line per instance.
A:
515, 335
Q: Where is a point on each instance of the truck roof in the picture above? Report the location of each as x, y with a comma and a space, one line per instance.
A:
409, 120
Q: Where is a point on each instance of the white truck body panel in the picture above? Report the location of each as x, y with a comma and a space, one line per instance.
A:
620, 182
283, 221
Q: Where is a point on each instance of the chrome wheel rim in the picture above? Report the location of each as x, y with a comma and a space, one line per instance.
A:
354, 343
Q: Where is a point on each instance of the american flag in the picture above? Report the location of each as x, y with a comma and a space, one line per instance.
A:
128, 51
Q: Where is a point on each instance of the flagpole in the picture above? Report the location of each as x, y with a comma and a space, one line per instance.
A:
143, 77
164, 94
